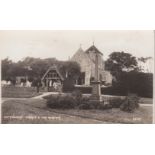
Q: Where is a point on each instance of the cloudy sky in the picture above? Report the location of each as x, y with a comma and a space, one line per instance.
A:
63, 44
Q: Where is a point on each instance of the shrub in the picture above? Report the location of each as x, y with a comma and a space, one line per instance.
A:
77, 101
61, 102
68, 85
85, 106
89, 105
126, 83
130, 104
70, 101
116, 102
51, 101
73, 101
106, 106
84, 90
77, 95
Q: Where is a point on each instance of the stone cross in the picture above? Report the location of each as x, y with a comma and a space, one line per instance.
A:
96, 84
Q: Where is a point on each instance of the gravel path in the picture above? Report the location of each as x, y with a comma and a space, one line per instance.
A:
44, 94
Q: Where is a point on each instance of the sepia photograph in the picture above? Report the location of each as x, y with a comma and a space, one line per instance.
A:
77, 76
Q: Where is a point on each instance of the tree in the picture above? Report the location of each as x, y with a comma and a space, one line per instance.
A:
6, 64
70, 69
119, 62
33, 68
36, 67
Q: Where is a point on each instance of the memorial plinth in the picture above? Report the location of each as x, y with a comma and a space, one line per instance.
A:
96, 92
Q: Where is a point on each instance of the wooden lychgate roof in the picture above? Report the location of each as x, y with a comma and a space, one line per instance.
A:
54, 67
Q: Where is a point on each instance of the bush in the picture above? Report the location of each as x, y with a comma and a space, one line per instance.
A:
130, 104
135, 82
73, 101
70, 101
77, 95
61, 102
85, 106
68, 85
114, 90
84, 90
116, 102
76, 101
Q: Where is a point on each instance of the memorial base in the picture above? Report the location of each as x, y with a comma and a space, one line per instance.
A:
96, 92
96, 99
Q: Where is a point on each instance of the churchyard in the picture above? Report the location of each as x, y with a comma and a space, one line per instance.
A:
35, 110
19, 92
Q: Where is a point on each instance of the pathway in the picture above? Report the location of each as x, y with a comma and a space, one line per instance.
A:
148, 105
45, 94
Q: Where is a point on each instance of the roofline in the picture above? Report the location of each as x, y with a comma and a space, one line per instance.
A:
95, 48
53, 67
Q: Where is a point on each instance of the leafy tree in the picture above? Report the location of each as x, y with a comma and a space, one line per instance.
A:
35, 68
119, 62
6, 64
70, 69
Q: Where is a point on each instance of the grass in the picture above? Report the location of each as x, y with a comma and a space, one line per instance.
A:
146, 101
34, 111
19, 92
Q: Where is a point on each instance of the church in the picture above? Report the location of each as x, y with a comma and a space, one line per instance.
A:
86, 60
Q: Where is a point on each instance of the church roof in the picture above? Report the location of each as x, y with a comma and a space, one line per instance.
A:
79, 51
84, 56
93, 48
78, 54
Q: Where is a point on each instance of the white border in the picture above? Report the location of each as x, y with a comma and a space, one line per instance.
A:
81, 15
73, 14
154, 86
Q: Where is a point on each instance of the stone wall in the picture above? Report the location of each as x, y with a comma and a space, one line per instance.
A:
87, 63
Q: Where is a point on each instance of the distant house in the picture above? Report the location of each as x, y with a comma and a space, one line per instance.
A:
86, 59
20, 79
146, 64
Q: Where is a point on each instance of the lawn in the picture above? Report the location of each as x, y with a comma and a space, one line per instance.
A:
19, 92
35, 111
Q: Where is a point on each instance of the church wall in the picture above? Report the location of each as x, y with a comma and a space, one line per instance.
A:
108, 77
87, 63
100, 61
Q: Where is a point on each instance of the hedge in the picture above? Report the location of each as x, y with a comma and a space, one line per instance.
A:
129, 82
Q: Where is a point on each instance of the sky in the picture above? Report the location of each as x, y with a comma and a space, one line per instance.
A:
18, 44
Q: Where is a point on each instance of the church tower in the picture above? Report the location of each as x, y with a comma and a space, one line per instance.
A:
86, 60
